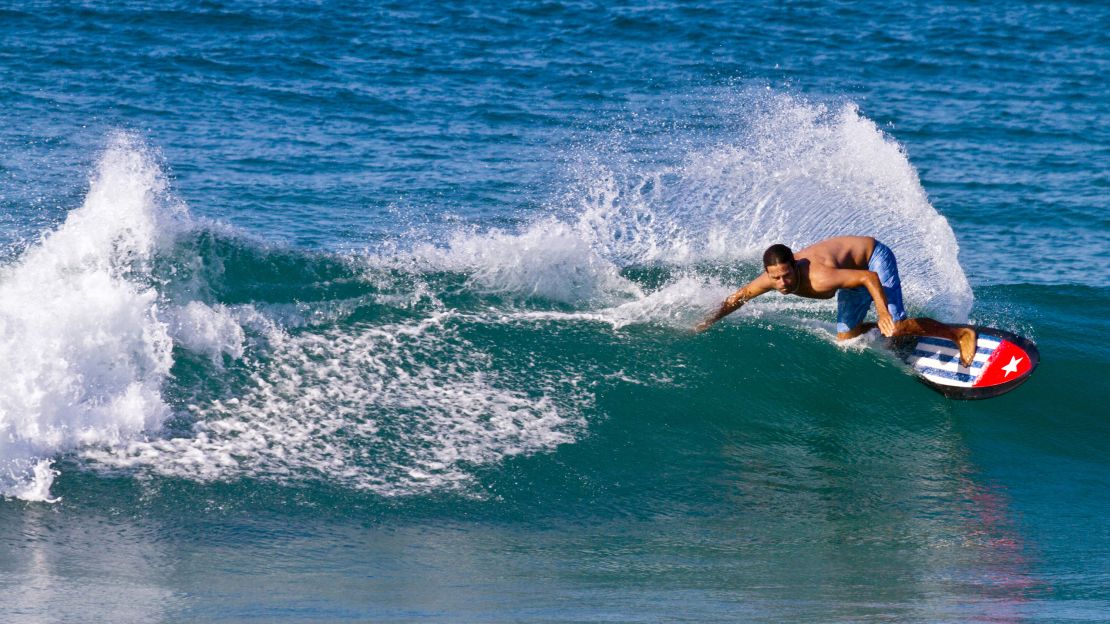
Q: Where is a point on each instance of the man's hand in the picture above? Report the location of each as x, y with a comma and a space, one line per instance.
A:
886, 324
753, 289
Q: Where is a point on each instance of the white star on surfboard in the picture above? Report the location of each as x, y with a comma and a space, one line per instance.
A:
1012, 366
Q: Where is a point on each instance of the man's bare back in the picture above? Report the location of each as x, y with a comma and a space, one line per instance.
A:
842, 252
844, 265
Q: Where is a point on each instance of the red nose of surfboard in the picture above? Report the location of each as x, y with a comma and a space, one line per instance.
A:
1009, 362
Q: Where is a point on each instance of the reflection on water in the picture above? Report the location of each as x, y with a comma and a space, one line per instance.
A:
57, 566
868, 516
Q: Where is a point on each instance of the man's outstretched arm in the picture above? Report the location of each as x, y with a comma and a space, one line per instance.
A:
753, 289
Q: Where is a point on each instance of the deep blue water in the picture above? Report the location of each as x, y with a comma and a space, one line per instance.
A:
312, 312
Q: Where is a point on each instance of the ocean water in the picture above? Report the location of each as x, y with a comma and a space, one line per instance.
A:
315, 312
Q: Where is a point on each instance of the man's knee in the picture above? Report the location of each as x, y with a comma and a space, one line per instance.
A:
855, 331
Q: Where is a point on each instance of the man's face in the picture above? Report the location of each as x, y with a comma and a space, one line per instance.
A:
784, 277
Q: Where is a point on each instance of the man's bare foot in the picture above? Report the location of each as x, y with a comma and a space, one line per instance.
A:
966, 338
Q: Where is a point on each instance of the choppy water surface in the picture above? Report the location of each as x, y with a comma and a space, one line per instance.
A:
324, 314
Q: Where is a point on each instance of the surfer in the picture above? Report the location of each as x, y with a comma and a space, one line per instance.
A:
859, 270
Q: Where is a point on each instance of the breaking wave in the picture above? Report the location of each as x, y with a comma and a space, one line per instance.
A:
139, 339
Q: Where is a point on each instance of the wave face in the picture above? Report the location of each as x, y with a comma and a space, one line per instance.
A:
138, 339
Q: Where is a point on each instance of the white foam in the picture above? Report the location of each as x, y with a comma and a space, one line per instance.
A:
396, 409
679, 304
548, 259
213, 330
83, 353
35, 488
86, 339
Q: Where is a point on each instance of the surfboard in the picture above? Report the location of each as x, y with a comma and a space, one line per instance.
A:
1003, 361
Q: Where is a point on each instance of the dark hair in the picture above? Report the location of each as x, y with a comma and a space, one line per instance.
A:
778, 254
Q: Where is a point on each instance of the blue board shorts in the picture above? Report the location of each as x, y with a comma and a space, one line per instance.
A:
852, 304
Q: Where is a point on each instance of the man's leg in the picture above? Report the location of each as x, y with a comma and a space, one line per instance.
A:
852, 305
964, 337
884, 264
862, 328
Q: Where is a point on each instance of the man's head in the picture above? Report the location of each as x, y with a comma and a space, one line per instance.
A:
778, 262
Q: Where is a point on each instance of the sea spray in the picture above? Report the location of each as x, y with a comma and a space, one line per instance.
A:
788, 171
548, 261
793, 172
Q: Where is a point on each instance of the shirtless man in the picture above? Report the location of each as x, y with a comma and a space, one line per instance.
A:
859, 270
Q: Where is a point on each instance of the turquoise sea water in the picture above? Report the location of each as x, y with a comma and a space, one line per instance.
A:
323, 313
